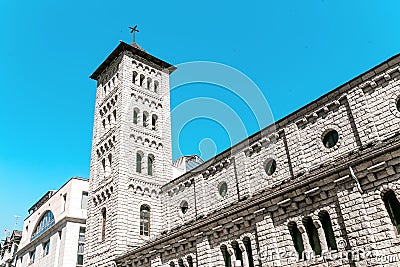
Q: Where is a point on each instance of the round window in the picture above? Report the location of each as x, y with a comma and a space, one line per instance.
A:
330, 139
223, 189
270, 166
398, 104
184, 206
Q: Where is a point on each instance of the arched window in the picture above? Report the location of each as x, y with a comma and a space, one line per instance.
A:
312, 234
238, 252
46, 221
297, 239
180, 263
156, 86
226, 255
393, 208
190, 261
138, 162
149, 83
134, 76
145, 220
145, 118
328, 230
247, 245
172, 264
103, 224
141, 79
135, 116
153, 122
150, 160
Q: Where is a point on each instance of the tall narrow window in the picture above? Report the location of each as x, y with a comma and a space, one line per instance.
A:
141, 79
297, 239
180, 263
153, 122
328, 230
145, 220
135, 116
134, 77
393, 208
149, 83
81, 246
226, 255
190, 261
238, 252
247, 244
312, 234
103, 224
145, 119
32, 256
84, 200
156, 86
138, 162
46, 248
150, 160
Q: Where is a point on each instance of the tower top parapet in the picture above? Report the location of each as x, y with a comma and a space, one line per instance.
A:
134, 49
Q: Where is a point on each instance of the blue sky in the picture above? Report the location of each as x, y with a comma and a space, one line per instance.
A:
294, 51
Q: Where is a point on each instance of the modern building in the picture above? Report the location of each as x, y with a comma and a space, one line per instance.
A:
53, 234
8, 249
320, 187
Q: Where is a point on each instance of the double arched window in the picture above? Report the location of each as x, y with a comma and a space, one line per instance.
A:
44, 224
145, 220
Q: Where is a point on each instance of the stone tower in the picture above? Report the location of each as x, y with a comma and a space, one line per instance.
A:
131, 153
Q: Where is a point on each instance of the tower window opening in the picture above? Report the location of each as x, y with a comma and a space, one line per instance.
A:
149, 83
156, 85
328, 230
145, 220
238, 252
134, 77
138, 162
312, 234
393, 208
145, 118
297, 239
190, 261
153, 122
398, 104
135, 116
247, 245
150, 161
103, 224
184, 206
226, 255
141, 79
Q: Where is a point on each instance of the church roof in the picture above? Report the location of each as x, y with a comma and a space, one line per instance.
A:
135, 49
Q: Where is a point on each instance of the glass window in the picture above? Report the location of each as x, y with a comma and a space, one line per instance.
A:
330, 139
46, 248
270, 166
44, 224
223, 189
145, 220
184, 206
150, 160
84, 200
138, 162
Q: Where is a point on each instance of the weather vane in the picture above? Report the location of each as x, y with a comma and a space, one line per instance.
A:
134, 30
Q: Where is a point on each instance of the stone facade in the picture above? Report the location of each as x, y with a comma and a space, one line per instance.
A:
54, 232
8, 249
324, 179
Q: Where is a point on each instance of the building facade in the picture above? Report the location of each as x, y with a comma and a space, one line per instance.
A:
53, 234
320, 187
8, 249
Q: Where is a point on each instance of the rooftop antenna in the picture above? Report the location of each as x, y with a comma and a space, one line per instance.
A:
134, 30
16, 221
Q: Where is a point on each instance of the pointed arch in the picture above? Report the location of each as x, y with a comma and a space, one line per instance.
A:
393, 208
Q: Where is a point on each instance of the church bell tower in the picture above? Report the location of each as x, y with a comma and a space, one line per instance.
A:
131, 153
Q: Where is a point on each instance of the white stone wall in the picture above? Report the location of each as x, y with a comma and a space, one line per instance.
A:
63, 235
347, 181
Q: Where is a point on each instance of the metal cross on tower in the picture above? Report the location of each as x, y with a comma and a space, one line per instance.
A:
134, 30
